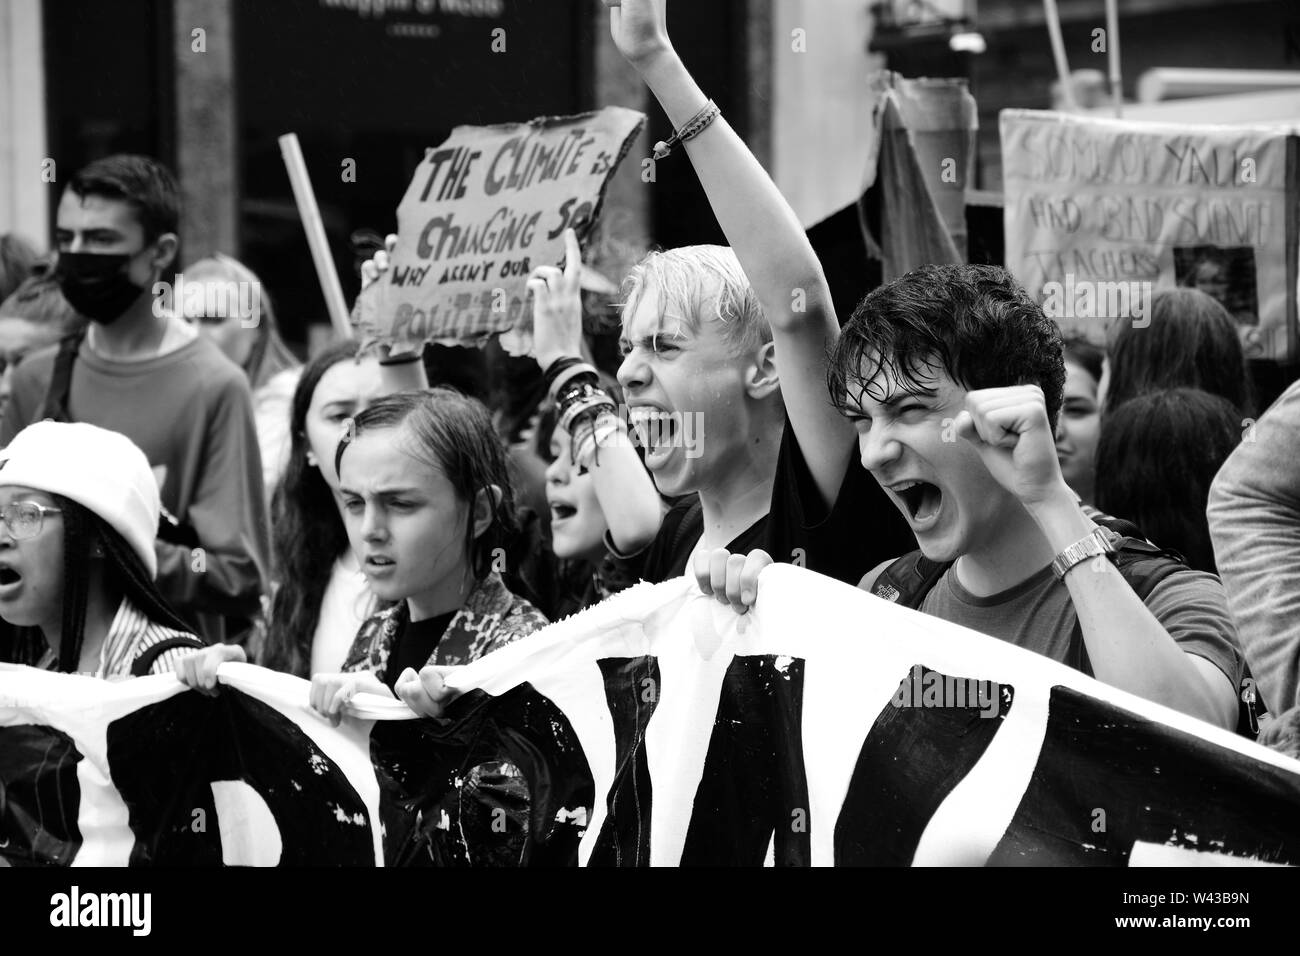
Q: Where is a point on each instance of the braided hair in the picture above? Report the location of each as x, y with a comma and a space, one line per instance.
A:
124, 571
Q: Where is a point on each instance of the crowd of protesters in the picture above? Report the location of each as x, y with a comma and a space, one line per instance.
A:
179, 491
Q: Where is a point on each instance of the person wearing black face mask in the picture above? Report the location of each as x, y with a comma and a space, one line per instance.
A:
143, 371
97, 284
107, 267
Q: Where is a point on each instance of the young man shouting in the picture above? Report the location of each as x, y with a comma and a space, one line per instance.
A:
953, 378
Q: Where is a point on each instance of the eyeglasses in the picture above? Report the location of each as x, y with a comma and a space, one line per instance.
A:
25, 518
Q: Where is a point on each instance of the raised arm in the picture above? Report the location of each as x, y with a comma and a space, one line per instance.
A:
762, 229
405, 373
623, 487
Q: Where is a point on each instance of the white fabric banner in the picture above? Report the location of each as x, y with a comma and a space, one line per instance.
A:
658, 728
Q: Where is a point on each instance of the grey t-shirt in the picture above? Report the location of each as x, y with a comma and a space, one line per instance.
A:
1038, 615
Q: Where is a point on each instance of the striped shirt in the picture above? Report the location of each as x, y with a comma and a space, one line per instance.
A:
130, 635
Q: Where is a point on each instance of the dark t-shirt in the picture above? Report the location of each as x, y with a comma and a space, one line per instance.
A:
681, 531
859, 532
415, 645
1038, 614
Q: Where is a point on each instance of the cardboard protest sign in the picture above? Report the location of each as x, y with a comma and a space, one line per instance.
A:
826, 726
1100, 213
483, 209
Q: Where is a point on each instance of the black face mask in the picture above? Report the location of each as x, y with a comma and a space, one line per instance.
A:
97, 285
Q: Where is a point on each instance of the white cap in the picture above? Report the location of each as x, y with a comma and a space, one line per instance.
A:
102, 470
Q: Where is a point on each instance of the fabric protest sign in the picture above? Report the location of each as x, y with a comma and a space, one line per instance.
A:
830, 727
143, 771
913, 208
659, 728
482, 210
1100, 213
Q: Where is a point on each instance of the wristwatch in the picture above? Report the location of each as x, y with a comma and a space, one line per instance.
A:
1100, 541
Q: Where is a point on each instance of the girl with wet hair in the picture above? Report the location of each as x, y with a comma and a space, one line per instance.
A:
428, 506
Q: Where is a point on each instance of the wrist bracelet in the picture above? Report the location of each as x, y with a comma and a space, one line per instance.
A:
555, 368
598, 431
587, 404
591, 432
567, 374
692, 128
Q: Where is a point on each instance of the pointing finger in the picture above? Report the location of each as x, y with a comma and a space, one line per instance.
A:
572, 256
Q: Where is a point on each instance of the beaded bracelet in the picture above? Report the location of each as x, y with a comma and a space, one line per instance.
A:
692, 128
591, 403
572, 377
578, 391
578, 388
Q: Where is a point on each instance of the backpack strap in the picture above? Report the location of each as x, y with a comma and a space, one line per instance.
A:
1251, 708
1143, 566
149, 656
55, 405
909, 579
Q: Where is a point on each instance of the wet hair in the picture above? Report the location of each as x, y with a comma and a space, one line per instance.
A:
701, 282
145, 184
1085, 354
452, 433
1191, 342
83, 530
307, 535
1156, 458
974, 323
269, 355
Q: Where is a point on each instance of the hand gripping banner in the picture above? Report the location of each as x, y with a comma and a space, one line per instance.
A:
657, 728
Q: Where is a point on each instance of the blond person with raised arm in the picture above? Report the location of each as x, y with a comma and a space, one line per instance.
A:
735, 340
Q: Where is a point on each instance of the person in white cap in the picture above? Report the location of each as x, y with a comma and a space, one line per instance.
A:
79, 510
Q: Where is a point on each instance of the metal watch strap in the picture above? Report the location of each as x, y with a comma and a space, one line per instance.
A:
1092, 545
